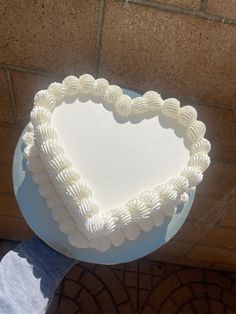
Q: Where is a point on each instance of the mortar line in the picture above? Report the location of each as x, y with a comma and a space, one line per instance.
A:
29, 70
178, 10
134, 89
203, 5
99, 34
184, 99
12, 96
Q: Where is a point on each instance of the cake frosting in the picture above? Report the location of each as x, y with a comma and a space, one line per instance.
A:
71, 199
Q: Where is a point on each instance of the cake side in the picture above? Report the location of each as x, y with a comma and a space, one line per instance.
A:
71, 199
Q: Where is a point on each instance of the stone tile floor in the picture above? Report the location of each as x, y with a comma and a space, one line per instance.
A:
144, 286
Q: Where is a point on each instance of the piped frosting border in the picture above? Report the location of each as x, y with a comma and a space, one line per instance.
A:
71, 199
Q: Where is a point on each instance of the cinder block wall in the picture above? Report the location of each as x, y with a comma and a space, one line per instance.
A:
181, 48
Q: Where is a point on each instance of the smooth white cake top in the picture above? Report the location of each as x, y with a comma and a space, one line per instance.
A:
118, 158
72, 143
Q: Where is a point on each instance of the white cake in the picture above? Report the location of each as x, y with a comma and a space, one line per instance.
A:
108, 166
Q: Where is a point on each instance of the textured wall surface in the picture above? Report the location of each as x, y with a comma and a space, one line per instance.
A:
183, 49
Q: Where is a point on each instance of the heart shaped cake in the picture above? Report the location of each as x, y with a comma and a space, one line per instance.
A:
71, 159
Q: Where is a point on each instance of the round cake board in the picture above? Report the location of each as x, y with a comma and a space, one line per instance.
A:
38, 216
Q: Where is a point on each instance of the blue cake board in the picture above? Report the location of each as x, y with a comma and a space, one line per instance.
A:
38, 216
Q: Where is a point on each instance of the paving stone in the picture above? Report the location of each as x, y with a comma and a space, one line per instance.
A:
106, 303
216, 306
199, 289
130, 279
190, 275
168, 307
125, 309
218, 279
229, 299
182, 295
91, 282
200, 305
144, 281
167, 286
71, 288
111, 283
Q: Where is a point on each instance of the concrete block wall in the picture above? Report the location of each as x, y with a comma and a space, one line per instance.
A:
181, 48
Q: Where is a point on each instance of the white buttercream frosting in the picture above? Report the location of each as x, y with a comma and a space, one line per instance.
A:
132, 231
86, 83
71, 85
180, 183
27, 151
71, 199
95, 223
146, 224
57, 90
46, 191
40, 115
151, 198
60, 163
68, 176
138, 208
123, 215
35, 165
201, 145
44, 99
79, 191
102, 244
112, 94
183, 198
187, 115
167, 192
100, 87
117, 238
157, 217
87, 207
51, 147
67, 225
171, 107
194, 175
196, 131
200, 161
40, 178
169, 209
28, 138
45, 132
77, 239
58, 213
139, 105
123, 105
153, 100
